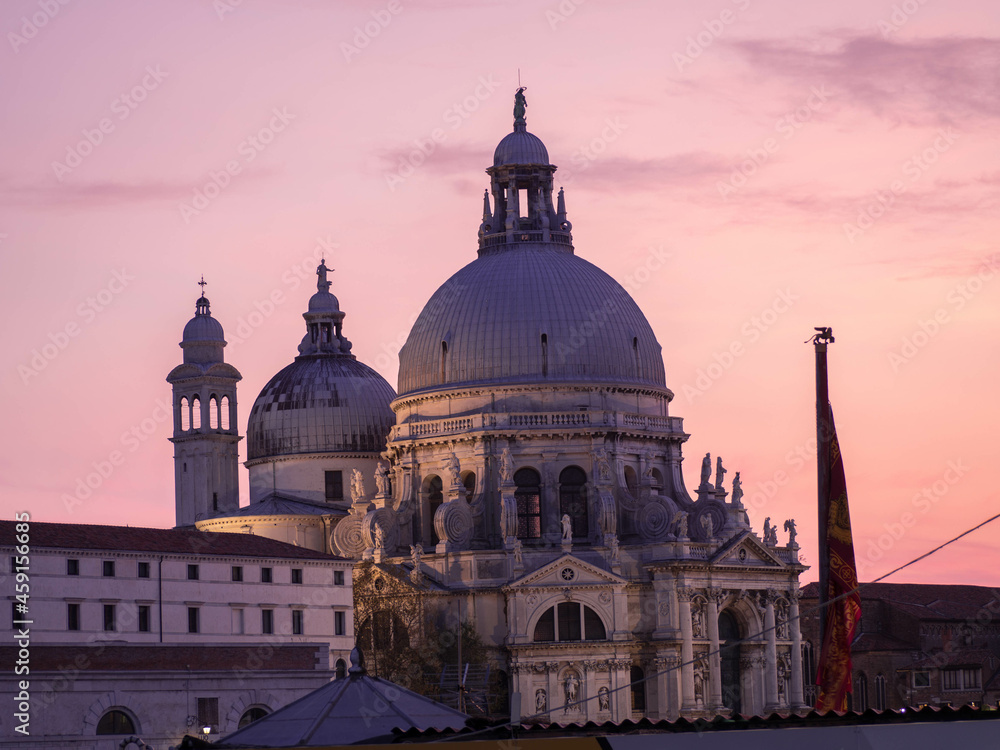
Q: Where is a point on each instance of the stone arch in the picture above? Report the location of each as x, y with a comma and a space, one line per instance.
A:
602, 611
431, 498
118, 700
245, 701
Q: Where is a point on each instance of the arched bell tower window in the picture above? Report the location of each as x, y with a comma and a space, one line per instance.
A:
196, 413
529, 504
573, 499
213, 413
185, 409
569, 621
224, 421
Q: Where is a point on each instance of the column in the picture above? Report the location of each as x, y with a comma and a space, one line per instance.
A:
795, 699
687, 650
714, 697
589, 691
770, 656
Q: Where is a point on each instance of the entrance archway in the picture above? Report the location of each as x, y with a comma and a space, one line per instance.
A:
729, 636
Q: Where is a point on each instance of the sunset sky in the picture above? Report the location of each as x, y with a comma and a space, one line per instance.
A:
748, 169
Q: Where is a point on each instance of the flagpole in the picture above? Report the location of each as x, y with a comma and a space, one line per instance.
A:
823, 434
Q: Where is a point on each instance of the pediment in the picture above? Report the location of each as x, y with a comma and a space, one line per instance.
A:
746, 550
554, 575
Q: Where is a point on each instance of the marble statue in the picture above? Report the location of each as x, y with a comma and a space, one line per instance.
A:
357, 486
616, 556
454, 470
697, 622
770, 533
706, 470
604, 699
790, 528
737, 490
720, 473
415, 553
681, 519
541, 703
518, 552
382, 479
603, 465
321, 271
567, 528
506, 467
520, 104
708, 525
572, 687
379, 537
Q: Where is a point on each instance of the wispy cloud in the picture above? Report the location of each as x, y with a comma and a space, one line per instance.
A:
945, 80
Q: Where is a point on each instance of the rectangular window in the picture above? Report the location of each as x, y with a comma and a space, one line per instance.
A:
265, 575
72, 616
238, 622
237, 573
208, 713
339, 622
297, 616
72, 567
143, 570
338, 578
334, 485
109, 568
959, 678
267, 621
921, 678
193, 619
296, 575
143, 618
192, 572
568, 614
109, 617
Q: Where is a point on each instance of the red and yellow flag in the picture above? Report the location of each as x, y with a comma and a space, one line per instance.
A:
842, 615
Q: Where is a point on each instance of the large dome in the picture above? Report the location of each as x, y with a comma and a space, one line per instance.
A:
533, 313
321, 404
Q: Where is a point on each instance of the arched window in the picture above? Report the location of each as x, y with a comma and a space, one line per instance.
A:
808, 673
635, 353
251, 715
638, 680
657, 479
224, 421
116, 722
569, 621
631, 481
213, 413
185, 414
341, 669
435, 496
729, 661
573, 499
195, 413
469, 481
444, 361
880, 692
529, 506
545, 355
860, 702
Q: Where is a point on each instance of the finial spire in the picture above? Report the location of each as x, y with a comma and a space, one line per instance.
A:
323, 285
520, 103
203, 284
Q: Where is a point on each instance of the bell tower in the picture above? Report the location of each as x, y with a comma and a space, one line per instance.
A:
206, 439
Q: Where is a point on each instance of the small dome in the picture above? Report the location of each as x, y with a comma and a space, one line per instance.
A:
321, 404
520, 147
323, 302
203, 327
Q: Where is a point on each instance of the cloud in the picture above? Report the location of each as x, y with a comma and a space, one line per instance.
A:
945, 80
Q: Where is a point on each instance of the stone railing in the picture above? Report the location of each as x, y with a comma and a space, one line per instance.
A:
536, 421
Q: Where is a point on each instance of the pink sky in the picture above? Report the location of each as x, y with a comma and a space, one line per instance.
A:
716, 159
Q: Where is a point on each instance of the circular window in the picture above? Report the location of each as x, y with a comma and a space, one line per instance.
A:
379, 584
742, 555
568, 574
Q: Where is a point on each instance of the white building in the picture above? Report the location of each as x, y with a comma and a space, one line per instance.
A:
159, 632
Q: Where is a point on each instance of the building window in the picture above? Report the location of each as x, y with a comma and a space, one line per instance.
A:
267, 621
251, 714
638, 680
435, 496
339, 622
72, 567
192, 572
143, 570
921, 678
529, 503
334, 485
237, 573
569, 621
879, 692
109, 617
297, 622
573, 499
115, 722
265, 575
338, 578
341, 669
961, 678
72, 616
193, 620
208, 713
143, 618
859, 700
109, 569
238, 622
296, 575
808, 673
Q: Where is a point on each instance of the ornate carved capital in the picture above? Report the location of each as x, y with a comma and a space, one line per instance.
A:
719, 596
685, 593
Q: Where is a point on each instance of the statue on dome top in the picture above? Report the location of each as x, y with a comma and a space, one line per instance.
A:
323, 285
520, 103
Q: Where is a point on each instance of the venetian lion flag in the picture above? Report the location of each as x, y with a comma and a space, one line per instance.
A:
844, 610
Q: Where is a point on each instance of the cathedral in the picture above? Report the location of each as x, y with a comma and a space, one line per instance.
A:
527, 471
